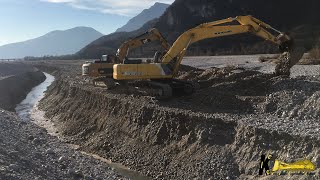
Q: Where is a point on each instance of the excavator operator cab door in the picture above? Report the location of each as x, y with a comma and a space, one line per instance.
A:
107, 59
104, 58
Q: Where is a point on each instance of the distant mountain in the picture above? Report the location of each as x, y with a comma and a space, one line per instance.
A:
300, 18
53, 43
109, 44
146, 15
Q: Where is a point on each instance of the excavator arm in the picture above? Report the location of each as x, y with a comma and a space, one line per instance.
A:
247, 24
149, 36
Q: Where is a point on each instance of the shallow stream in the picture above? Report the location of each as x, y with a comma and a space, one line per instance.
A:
25, 108
28, 110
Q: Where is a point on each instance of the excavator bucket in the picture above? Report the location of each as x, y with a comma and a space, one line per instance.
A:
292, 52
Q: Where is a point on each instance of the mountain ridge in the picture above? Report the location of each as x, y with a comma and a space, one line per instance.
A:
185, 14
57, 42
146, 15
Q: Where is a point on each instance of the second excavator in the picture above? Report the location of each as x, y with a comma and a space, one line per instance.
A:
102, 70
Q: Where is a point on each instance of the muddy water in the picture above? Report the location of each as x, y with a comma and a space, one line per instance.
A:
28, 110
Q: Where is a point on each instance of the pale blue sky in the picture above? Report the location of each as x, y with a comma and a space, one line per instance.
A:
25, 19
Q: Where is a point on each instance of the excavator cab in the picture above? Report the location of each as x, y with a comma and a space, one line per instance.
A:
104, 58
158, 56
107, 59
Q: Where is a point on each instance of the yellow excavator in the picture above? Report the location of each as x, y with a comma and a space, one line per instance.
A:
102, 70
161, 75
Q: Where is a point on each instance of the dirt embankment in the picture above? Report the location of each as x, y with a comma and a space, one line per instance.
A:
16, 80
219, 132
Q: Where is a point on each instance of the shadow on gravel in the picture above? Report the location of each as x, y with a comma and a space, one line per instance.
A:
237, 93
298, 84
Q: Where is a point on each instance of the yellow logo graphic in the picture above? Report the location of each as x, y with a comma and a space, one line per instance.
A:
304, 165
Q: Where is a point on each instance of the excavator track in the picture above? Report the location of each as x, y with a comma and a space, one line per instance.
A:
163, 89
175, 87
180, 87
105, 82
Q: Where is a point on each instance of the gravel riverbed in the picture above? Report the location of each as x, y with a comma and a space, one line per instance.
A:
240, 111
27, 151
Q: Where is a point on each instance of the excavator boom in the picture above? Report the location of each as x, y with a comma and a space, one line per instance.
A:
149, 36
248, 24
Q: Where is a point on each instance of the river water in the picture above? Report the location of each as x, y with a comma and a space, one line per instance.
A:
28, 110
25, 108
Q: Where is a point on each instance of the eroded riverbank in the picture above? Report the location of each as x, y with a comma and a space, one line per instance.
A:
16, 80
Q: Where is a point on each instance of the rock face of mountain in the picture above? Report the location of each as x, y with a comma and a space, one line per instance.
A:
109, 44
53, 43
146, 15
286, 15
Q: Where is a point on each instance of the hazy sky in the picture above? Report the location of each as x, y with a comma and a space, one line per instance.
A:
25, 19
